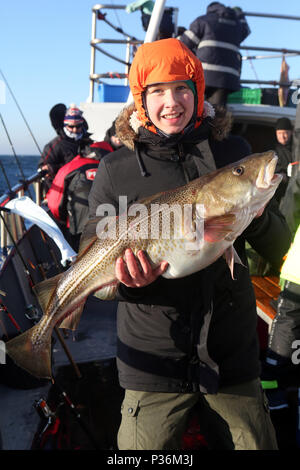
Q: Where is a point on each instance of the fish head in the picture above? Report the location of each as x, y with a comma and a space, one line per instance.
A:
249, 183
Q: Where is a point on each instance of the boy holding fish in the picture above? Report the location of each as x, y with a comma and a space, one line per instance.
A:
177, 348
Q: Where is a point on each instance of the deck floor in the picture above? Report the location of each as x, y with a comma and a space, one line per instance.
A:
95, 340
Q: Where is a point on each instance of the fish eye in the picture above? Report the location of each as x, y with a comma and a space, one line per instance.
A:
238, 170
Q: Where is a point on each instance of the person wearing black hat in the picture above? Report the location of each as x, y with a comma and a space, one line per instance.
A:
283, 148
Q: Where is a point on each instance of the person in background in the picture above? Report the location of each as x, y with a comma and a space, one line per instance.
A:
290, 202
111, 138
215, 39
72, 137
283, 149
191, 342
166, 28
279, 368
283, 197
68, 195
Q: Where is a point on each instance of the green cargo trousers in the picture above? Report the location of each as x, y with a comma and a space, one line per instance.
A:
235, 418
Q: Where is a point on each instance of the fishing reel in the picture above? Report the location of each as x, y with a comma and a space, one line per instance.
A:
32, 313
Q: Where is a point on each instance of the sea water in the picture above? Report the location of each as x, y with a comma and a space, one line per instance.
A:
28, 164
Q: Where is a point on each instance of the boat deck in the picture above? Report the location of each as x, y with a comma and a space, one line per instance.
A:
93, 350
266, 290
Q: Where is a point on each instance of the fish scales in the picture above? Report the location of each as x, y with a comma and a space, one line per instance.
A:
221, 204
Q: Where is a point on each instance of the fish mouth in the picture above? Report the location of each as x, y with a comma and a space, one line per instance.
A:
267, 176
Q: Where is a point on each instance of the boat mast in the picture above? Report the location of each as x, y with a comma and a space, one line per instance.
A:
155, 20
153, 26
156, 16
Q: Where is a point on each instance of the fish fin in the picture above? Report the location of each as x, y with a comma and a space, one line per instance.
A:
107, 292
45, 289
232, 257
71, 322
35, 359
216, 228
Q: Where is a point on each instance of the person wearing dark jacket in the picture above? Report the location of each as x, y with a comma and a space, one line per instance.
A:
188, 342
215, 39
70, 140
67, 197
283, 149
281, 366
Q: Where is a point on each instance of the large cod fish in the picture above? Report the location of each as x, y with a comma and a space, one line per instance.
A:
217, 208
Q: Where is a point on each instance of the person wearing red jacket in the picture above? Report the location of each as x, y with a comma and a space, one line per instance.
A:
68, 195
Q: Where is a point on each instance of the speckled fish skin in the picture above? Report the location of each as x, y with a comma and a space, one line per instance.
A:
231, 197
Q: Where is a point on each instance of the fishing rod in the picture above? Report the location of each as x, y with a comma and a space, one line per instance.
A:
4, 309
31, 284
16, 158
7, 228
76, 414
54, 382
11, 192
19, 108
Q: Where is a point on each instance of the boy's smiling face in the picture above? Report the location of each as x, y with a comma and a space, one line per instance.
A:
170, 106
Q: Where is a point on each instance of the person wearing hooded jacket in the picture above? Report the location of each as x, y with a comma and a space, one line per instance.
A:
215, 39
72, 137
174, 351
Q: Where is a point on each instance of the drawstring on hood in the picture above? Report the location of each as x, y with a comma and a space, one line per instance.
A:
129, 129
141, 163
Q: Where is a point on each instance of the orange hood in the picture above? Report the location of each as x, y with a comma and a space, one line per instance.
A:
163, 61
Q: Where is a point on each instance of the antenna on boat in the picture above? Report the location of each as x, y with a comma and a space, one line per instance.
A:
16, 158
19, 108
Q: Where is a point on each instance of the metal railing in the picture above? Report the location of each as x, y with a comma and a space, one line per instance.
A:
98, 15
12, 225
130, 42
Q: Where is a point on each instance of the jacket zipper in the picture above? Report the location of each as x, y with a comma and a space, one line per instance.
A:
181, 155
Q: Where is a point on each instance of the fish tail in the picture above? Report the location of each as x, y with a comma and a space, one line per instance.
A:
34, 358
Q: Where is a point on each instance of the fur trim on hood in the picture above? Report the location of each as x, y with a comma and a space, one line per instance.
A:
127, 123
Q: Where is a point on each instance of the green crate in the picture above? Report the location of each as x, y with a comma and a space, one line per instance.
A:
246, 95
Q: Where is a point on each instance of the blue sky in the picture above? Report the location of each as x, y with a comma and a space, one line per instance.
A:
45, 54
